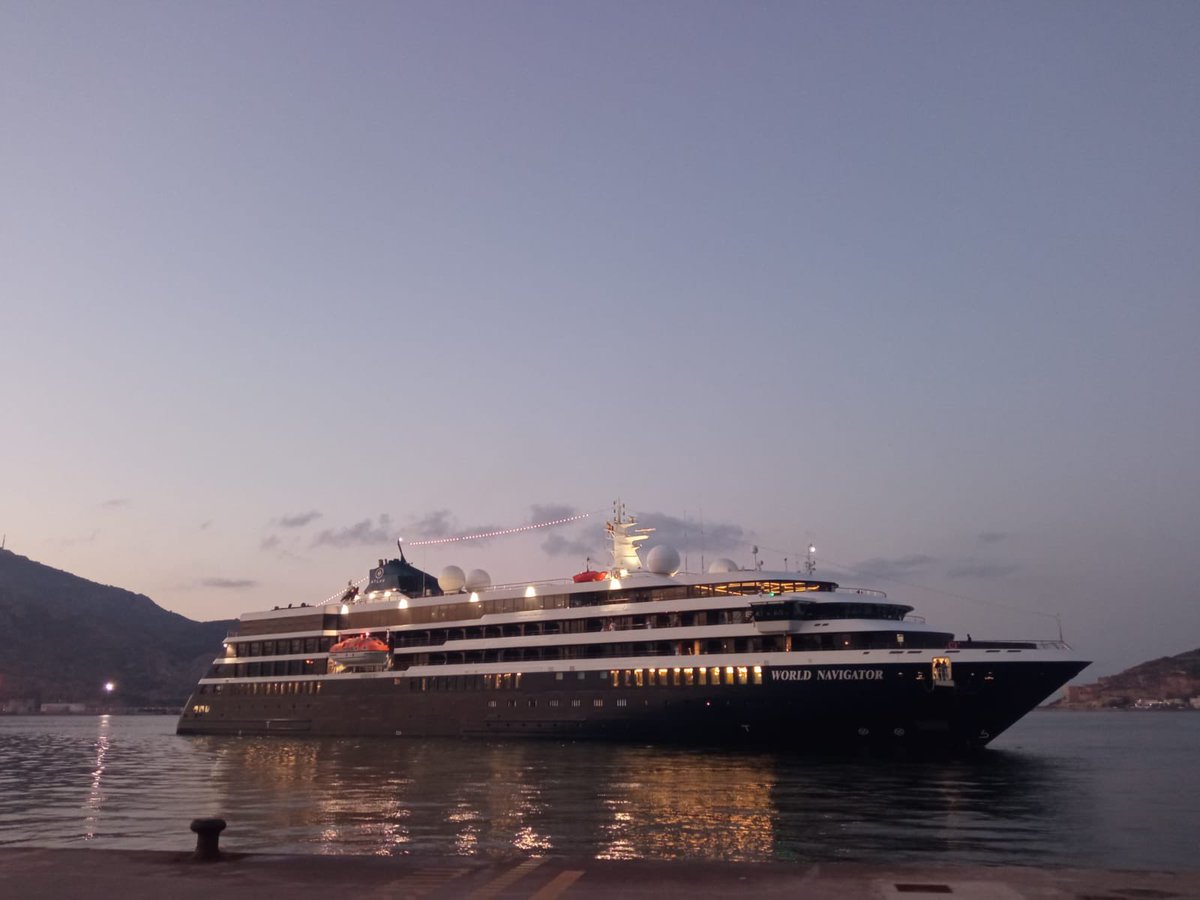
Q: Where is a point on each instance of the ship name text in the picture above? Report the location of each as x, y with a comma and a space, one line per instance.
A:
827, 674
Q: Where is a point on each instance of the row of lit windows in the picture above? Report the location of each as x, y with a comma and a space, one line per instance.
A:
597, 702
264, 688
704, 676
683, 676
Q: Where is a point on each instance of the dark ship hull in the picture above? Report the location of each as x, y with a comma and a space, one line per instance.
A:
801, 706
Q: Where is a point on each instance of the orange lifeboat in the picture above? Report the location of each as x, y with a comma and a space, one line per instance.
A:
359, 651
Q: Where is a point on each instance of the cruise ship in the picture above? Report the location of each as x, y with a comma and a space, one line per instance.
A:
635, 652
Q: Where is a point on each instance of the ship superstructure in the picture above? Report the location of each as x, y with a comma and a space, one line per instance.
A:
634, 652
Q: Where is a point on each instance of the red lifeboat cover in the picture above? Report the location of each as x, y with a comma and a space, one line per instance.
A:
359, 643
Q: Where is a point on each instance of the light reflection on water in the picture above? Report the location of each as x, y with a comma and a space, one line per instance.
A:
1070, 789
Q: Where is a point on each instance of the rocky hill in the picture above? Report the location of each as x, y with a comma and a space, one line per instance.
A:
1170, 682
63, 637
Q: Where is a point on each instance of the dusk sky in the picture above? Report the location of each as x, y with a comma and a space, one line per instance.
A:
918, 282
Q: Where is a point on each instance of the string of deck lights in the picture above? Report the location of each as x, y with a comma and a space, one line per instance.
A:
492, 534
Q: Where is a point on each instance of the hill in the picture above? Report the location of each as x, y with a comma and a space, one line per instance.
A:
64, 637
1169, 682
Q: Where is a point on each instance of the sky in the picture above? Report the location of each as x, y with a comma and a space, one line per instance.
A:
281, 282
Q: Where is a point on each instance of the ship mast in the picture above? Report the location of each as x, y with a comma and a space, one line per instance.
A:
625, 536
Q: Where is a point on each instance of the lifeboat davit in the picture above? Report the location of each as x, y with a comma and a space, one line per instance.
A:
589, 575
359, 651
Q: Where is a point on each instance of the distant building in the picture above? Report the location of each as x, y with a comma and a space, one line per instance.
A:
61, 708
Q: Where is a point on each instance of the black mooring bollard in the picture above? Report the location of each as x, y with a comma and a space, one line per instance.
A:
208, 832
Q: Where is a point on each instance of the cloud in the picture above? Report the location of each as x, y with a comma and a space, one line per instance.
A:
359, 534
116, 503
972, 569
548, 512
993, 537
579, 539
432, 525
559, 545
587, 539
299, 520
690, 537
228, 583
896, 567
82, 539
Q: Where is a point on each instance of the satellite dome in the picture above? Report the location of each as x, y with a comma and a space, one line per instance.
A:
717, 566
478, 580
663, 560
452, 579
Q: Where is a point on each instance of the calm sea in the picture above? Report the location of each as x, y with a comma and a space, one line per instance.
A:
1116, 790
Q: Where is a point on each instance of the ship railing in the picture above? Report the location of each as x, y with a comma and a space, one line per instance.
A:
549, 582
1011, 644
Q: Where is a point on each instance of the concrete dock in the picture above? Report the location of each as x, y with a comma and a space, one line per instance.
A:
47, 874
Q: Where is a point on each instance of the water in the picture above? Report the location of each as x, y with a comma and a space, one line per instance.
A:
1112, 790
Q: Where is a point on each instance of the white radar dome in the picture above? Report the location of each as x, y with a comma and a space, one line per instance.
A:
452, 579
663, 560
717, 566
478, 580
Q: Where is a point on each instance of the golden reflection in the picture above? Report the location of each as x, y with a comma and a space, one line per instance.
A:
475, 798
95, 800
466, 837
659, 808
